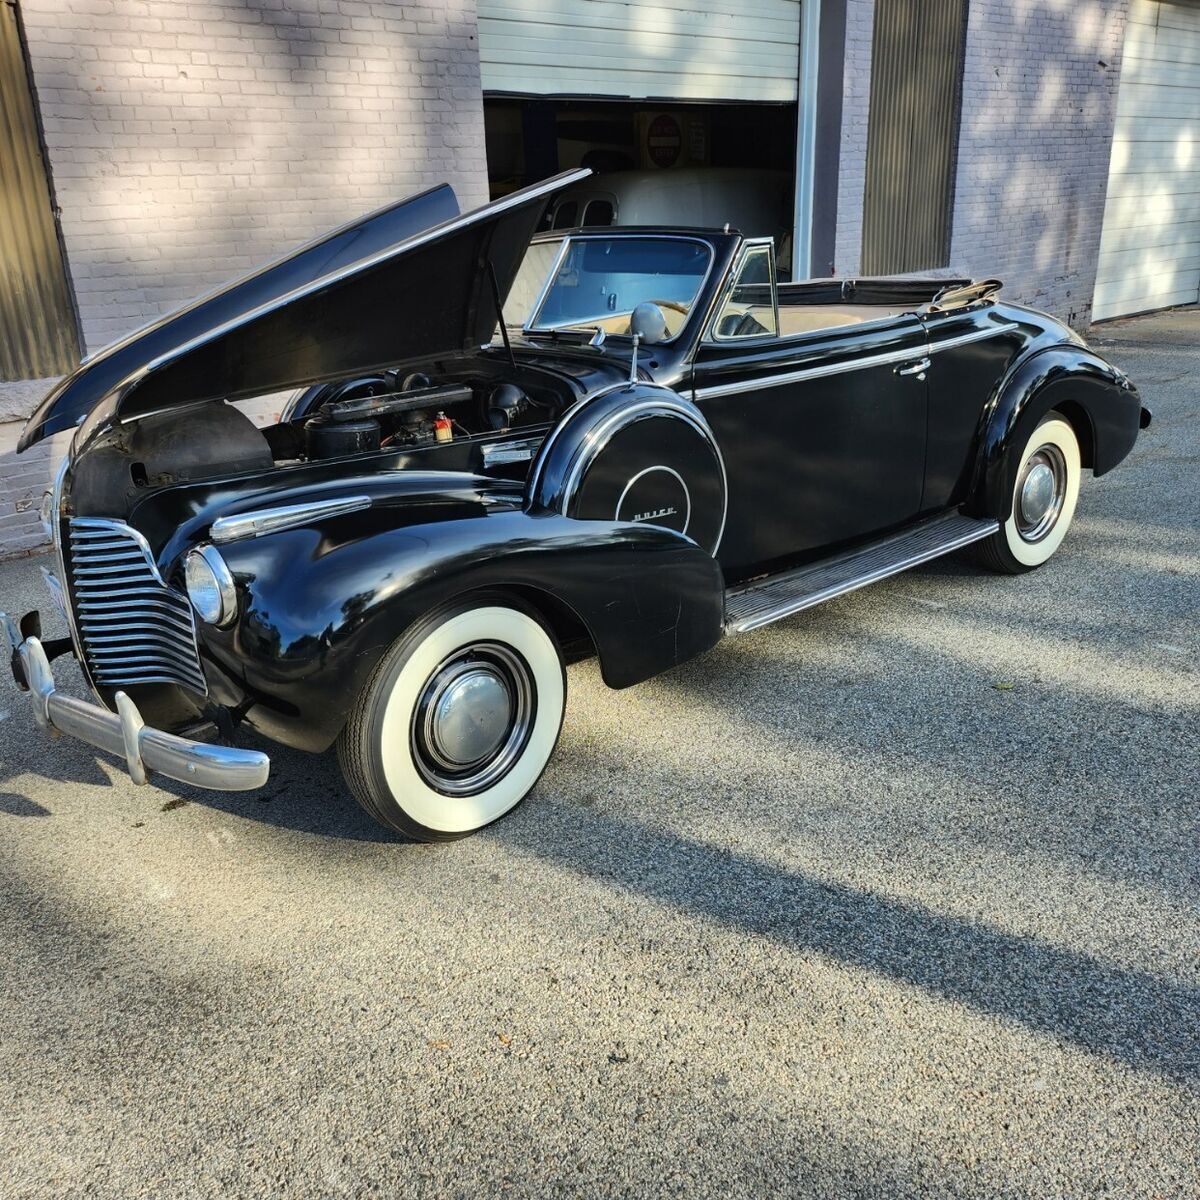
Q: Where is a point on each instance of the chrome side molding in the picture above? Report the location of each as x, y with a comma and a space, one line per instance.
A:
271, 520
843, 366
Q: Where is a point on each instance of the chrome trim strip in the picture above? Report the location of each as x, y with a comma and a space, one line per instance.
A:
124, 733
142, 631
978, 335
799, 603
271, 520
840, 368
133, 612
598, 438
538, 469
143, 649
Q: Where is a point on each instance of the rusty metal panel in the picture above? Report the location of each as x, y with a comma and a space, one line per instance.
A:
39, 334
912, 138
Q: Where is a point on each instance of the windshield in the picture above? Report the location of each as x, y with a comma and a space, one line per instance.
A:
599, 281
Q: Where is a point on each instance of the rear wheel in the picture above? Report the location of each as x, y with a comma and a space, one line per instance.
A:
458, 721
1043, 503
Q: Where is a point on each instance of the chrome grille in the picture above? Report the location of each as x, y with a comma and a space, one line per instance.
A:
132, 628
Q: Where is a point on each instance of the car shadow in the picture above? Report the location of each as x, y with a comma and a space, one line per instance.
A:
305, 793
1130, 1016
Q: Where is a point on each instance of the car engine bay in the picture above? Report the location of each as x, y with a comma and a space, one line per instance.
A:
399, 411
457, 419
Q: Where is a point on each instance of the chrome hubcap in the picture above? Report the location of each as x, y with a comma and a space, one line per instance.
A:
1040, 493
473, 719
469, 717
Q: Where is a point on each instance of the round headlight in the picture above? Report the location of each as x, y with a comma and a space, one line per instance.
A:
210, 586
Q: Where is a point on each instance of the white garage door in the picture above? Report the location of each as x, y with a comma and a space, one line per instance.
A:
681, 49
1150, 245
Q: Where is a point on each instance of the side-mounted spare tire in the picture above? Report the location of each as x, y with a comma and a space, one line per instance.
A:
639, 453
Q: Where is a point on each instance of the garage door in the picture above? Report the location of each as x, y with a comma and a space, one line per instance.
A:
1150, 245
677, 49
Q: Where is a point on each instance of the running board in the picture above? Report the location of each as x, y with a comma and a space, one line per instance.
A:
771, 599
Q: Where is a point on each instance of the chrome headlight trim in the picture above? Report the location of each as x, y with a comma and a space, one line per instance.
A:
208, 558
271, 520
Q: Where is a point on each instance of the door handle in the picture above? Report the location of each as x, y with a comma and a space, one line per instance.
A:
918, 368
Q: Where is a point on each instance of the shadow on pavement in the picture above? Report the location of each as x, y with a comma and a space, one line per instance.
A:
1135, 1018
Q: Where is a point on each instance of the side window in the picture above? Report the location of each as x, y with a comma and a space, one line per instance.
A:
750, 308
565, 213
598, 212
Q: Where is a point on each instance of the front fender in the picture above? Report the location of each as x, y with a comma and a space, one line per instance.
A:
1100, 401
320, 606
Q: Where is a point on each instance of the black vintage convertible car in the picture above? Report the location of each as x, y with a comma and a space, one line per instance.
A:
507, 450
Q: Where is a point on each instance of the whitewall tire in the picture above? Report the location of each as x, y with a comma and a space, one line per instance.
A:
457, 722
1045, 492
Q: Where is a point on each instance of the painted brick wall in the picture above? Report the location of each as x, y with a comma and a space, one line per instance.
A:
1040, 83
190, 142
24, 479
852, 168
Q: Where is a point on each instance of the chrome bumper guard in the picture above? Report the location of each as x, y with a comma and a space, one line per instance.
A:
123, 733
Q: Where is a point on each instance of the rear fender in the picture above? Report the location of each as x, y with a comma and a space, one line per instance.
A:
319, 606
1100, 401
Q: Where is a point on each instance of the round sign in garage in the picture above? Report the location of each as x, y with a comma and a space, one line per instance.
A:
664, 140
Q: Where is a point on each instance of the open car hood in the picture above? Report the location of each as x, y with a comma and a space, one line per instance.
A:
409, 281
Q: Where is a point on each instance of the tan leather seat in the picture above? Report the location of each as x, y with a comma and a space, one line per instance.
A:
806, 318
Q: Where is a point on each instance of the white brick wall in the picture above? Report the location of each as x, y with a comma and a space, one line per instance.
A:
24, 478
190, 142
1038, 105
852, 167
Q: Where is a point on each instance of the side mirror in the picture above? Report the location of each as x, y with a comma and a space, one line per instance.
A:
648, 323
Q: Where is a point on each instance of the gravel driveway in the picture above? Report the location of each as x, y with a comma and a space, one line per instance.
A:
898, 897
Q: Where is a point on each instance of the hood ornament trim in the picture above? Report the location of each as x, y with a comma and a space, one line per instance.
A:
271, 520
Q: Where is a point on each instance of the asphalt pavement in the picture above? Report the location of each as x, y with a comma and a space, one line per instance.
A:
895, 898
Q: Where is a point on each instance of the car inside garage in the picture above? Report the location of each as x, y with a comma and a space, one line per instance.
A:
701, 164
687, 113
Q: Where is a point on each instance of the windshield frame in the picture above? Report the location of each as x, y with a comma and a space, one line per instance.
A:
611, 233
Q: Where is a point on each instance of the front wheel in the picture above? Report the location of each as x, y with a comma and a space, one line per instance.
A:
1043, 502
458, 721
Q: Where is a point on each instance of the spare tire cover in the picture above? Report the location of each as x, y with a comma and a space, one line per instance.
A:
641, 455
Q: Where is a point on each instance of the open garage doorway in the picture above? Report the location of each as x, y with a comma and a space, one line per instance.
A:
656, 163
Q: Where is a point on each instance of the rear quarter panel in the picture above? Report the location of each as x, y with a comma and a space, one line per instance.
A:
987, 395
1099, 400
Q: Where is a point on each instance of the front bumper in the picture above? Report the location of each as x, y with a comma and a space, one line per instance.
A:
123, 733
